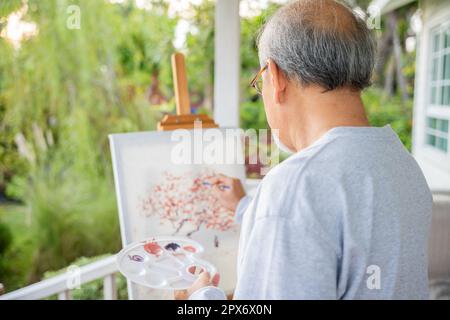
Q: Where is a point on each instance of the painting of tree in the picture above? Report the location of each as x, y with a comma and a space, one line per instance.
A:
187, 202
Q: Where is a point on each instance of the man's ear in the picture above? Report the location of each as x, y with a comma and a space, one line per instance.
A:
278, 80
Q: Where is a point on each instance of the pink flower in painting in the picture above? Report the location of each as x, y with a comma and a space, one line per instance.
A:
186, 200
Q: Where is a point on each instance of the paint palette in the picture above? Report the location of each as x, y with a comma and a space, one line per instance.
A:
163, 262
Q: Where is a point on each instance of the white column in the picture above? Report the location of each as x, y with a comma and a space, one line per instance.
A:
109, 287
227, 63
65, 295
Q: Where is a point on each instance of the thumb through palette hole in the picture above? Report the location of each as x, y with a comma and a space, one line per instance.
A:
195, 269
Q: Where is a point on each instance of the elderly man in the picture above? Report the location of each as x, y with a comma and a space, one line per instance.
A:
347, 215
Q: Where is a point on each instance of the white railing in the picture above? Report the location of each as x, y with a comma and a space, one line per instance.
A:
60, 285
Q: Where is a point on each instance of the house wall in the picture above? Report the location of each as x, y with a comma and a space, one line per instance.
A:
435, 164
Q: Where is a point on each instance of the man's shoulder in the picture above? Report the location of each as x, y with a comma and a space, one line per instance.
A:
300, 166
294, 191
299, 178
282, 175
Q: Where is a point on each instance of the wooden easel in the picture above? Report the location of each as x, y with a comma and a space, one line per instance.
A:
183, 119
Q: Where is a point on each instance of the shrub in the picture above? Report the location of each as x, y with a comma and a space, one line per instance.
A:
5, 242
383, 110
5, 238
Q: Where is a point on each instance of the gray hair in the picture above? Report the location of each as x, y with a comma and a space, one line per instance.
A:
319, 42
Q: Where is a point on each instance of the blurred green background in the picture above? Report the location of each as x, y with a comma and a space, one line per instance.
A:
62, 91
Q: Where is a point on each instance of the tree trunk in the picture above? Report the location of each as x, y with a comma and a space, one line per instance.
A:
208, 90
401, 80
384, 50
155, 96
389, 77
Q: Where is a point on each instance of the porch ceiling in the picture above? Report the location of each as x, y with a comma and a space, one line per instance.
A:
389, 5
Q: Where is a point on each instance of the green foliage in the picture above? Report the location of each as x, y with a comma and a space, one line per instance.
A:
253, 115
61, 93
5, 238
9, 6
66, 211
70, 76
252, 110
383, 110
15, 261
10, 163
92, 290
199, 48
145, 47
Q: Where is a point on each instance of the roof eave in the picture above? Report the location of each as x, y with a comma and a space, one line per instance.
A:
386, 6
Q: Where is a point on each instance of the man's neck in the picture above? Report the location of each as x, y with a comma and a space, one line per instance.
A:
321, 112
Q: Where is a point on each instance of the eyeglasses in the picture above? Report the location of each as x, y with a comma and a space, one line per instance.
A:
257, 80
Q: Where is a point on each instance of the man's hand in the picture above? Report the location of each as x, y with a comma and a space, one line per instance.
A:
228, 190
204, 280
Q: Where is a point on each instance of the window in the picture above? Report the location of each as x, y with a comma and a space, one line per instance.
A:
438, 110
437, 133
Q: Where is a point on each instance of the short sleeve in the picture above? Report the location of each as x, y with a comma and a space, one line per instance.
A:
241, 208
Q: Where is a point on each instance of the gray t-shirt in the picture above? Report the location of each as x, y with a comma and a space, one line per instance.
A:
346, 218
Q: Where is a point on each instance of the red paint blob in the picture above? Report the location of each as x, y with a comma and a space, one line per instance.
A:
153, 248
189, 248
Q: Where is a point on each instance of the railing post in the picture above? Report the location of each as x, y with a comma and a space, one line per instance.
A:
109, 287
65, 295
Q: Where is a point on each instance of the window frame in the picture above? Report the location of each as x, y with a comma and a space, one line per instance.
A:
439, 157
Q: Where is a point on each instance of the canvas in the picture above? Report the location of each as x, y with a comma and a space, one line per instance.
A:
160, 195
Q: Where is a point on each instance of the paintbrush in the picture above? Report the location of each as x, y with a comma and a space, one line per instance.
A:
221, 186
